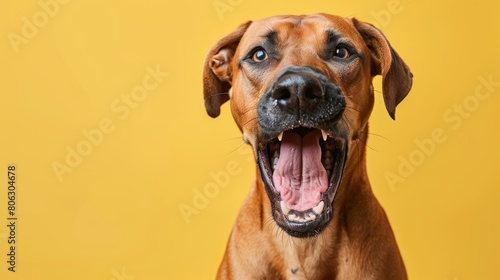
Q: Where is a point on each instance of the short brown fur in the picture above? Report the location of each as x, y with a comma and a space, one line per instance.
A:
358, 242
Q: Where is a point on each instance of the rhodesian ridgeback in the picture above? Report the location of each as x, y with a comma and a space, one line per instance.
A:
300, 90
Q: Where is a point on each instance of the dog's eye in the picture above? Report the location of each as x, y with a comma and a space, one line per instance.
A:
341, 52
259, 55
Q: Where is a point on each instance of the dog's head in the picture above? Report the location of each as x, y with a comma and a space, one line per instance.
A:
300, 89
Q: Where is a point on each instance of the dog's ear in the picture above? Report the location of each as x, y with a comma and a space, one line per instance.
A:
396, 76
217, 71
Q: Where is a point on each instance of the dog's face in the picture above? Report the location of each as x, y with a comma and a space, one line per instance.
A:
301, 93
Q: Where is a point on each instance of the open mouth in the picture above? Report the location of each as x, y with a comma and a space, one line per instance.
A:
302, 169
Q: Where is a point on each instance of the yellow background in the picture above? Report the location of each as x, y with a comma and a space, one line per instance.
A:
116, 215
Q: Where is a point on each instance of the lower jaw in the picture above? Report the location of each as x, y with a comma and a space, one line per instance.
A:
315, 226
303, 229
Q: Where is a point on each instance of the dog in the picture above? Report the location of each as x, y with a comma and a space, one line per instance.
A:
300, 91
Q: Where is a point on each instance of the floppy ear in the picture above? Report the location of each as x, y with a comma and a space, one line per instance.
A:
217, 71
396, 76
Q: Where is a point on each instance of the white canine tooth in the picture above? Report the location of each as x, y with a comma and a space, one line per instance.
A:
318, 209
285, 209
280, 136
324, 134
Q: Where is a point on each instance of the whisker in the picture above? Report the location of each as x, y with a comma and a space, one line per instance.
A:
375, 134
366, 144
346, 122
232, 138
352, 108
249, 110
235, 149
219, 94
250, 120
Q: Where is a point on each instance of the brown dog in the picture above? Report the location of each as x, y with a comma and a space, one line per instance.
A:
300, 89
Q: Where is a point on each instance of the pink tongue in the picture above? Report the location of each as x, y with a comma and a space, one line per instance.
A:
299, 176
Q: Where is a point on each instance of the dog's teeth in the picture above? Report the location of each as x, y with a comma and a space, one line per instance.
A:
280, 136
310, 217
324, 134
274, 146
328, 154
306, 218
275, 159
284, 208
327, 164
298, 218
275, 162
318, 209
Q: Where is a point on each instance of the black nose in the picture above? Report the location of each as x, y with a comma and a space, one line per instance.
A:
296, 89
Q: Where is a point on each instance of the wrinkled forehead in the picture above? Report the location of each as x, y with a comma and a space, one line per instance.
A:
316, 29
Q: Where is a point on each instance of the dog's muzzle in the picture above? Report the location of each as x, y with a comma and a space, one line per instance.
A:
301, 151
